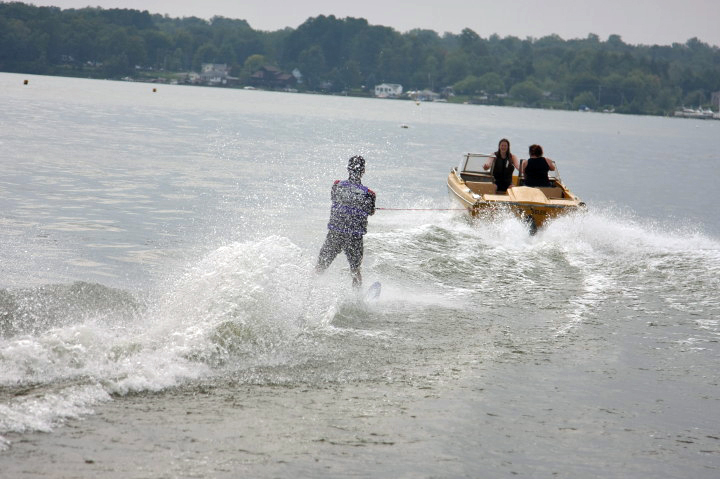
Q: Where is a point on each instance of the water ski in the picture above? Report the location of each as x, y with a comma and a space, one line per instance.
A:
373, 291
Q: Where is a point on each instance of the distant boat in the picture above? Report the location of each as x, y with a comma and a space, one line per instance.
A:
699, 113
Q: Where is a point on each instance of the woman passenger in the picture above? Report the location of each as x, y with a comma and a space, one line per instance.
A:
536, 168
504, 164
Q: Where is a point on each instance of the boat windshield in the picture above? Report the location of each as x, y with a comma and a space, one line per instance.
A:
473, 163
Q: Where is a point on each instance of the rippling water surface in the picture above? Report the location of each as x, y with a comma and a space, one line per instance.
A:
159, 317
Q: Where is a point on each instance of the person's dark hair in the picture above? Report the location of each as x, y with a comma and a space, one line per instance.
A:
536, 150
497, 153
356, 164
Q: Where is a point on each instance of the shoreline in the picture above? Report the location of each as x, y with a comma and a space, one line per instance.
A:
463, 101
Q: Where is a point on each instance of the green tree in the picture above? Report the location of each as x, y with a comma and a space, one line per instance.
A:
254, 62
612, 91
695, 98
582, 82
207, 53
312, 64
135, 50
527, 92
667, 100
470, 85
118, 65
585, 98
351, 75
226, 52
457, 66
638, 87
158, 47
175, 61
492, 83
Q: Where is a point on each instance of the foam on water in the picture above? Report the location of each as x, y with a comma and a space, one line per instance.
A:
41, 412
256, 288
593, 256
254, 304
243, 301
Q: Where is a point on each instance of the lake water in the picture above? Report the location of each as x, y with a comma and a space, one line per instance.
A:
159, 317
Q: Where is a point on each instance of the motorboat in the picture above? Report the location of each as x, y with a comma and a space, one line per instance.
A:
700, 113
474, 188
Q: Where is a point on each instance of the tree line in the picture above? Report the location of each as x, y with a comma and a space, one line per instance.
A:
350, 55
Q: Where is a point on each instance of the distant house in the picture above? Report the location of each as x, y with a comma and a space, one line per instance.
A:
447, 92
298, 76
271, 77
388, 90
215, 73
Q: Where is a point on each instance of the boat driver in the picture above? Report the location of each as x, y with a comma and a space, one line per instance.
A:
503, 164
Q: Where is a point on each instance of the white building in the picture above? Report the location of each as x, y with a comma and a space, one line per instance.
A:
388, 90
215, 73
298, 76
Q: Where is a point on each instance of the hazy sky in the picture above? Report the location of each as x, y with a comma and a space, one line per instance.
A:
646, 22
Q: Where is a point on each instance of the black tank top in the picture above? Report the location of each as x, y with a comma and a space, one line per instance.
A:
536, 172
502, 172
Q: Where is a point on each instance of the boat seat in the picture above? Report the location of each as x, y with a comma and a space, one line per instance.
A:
552, 192
481, 187
527, 194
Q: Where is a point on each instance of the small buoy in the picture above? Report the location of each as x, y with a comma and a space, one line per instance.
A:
154, 90
26, 82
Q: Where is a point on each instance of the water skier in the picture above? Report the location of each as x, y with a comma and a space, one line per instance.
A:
352, 203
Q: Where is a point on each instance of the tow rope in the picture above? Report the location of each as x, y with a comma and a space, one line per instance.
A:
422, 209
